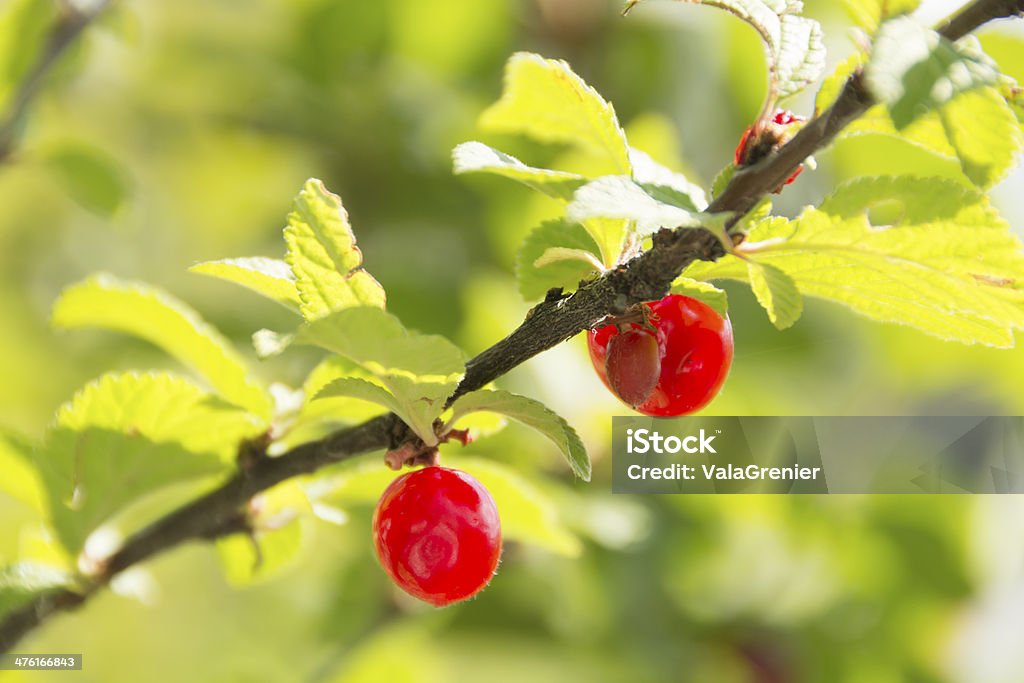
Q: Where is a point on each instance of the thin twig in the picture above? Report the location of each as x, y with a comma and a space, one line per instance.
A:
645, 278
66, 29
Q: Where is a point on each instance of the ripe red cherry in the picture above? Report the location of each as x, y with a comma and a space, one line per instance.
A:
758, 141
694, 347
437, 534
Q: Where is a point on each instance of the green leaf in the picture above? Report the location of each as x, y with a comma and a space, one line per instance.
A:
420, 371
869, 14
20, 479
619, 197
527, 515
532, 414
914, 70
151, 314
545, 100
269, 277
21, 583
923, 252
361, 390
476, 157
794, 46
324, 257
90, 175
655, 177
319, 414
962, 129
535, 280
338, 408
777, 294
127, 435
702, 291
984, 131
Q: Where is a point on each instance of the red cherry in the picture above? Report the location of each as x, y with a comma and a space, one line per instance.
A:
695, 352
437, 534
757, 142
633, 365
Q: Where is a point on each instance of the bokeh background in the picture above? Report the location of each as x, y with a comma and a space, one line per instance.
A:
178, 132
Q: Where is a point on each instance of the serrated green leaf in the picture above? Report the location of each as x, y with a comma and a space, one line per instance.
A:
21, 583
702, 291
323, 255
923, 252
545, 100
794, 46
420, 371
961, 129
649, 174
476, 157
319, 415
800, 54
985, 133
869, 14
272, 278
914, 70
619, 197
20, 479
127, 435
777, 294
90, 175
532, 414
527, 515
534, 280
151, 314
361, 390
274, 544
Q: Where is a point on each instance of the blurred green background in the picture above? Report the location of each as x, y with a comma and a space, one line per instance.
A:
178, 132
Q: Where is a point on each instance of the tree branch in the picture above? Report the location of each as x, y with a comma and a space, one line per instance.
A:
647, 277
66, 29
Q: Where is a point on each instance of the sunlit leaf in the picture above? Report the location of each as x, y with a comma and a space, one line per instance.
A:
914, 70
545, 100
776, 292
324, 257
151, 314
794, 45
702, 291
923, 252
272, 278
420, 371
476, 157
126, 435
532, 414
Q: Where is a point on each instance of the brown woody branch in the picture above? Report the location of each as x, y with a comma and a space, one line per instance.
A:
646, 277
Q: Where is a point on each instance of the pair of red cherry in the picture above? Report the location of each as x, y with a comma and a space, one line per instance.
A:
436, 530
